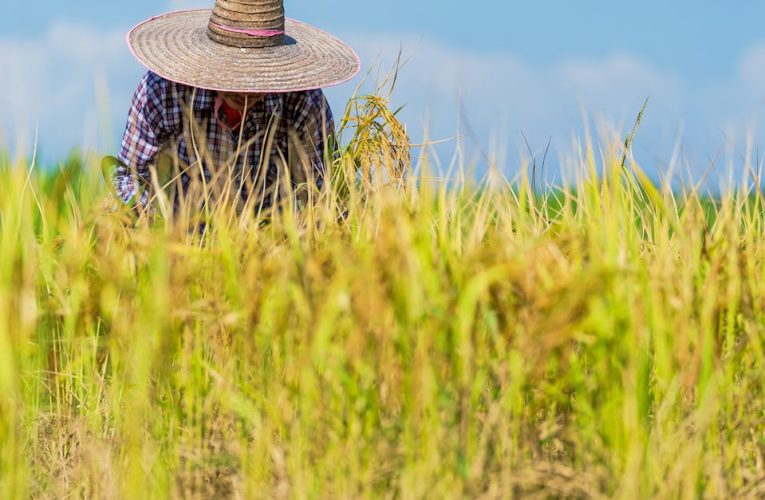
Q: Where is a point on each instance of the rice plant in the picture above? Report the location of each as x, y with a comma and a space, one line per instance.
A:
394, 337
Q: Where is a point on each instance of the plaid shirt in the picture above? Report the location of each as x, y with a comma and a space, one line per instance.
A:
163, 114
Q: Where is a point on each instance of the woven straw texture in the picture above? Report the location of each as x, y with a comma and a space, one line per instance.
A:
254, 14
180, 47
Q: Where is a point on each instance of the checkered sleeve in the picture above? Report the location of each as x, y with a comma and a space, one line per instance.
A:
145, 134
313, 122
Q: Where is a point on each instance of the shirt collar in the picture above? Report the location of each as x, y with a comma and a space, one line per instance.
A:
272, 103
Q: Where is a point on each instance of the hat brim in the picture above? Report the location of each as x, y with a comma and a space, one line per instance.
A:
176, 47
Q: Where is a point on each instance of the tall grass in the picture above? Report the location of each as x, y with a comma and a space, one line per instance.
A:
396, 338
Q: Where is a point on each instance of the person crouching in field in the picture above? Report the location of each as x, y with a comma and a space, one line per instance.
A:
235, 90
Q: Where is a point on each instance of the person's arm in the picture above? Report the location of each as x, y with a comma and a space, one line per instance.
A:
145, 134
313, 141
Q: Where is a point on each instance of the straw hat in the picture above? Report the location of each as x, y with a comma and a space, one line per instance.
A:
242, 46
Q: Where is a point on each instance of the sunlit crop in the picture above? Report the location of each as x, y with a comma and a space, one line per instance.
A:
398, 336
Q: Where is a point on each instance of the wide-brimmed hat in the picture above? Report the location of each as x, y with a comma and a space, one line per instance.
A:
242, 46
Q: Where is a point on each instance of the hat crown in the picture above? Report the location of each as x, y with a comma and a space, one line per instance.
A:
248, 23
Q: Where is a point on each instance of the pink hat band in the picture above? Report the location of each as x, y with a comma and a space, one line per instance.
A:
254, 33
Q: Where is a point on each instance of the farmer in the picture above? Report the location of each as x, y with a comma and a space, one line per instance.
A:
238, 89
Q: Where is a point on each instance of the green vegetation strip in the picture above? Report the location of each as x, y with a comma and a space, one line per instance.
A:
397, 336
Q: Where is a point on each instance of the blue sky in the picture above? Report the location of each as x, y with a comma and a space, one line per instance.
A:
500, 66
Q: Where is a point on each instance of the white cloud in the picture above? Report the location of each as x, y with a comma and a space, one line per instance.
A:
751, 68
610, 80
733, 105
23, 80
50, 83
505, 94
748, 91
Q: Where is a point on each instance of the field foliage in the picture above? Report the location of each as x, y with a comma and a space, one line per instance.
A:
400, 336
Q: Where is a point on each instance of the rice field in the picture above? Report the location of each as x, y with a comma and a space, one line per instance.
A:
399, 337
